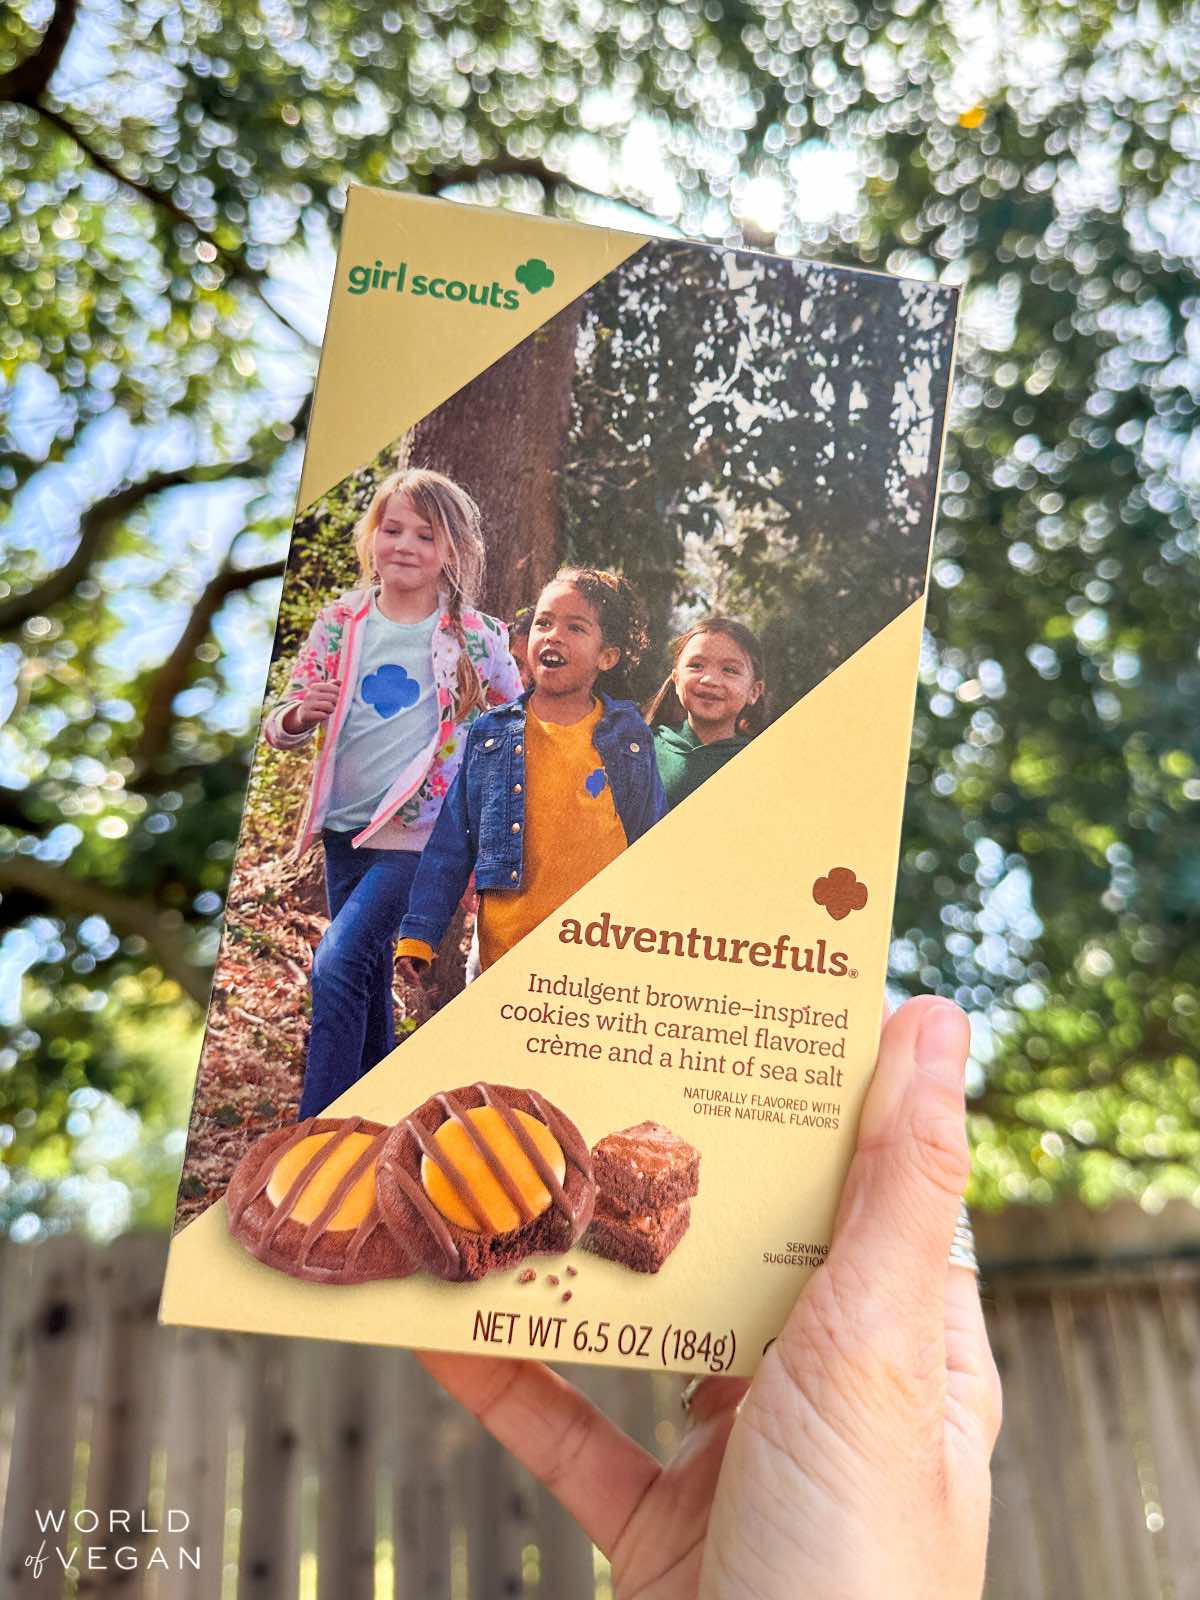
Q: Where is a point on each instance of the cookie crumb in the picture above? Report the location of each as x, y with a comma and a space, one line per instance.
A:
527, 1276
572, 1272
566, 1297
552, 1279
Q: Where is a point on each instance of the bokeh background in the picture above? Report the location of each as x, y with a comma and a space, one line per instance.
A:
170, 185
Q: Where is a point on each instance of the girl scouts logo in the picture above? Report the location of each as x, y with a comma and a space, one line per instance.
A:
389, 690
840, 892
533, 276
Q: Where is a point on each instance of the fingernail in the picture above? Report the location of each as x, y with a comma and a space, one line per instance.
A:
942, 1041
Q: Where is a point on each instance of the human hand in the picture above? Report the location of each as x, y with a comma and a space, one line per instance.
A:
857, 1462
317, 705
411, 968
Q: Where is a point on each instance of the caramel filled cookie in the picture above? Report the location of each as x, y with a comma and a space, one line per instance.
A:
481, 1177
304, 1200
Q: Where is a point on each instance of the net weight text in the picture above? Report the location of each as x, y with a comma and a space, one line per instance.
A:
552, 1334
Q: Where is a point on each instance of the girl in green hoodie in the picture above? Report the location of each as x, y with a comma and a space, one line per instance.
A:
710, 707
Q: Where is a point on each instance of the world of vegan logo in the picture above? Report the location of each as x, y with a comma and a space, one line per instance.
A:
532, 276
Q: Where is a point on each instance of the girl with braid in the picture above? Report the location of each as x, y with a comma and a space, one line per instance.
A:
394, 673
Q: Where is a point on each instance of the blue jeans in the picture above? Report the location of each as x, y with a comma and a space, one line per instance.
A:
353, 1026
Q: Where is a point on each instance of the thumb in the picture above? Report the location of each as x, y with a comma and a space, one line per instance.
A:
896, 1219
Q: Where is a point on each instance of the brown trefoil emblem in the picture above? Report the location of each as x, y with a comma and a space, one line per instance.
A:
840, 892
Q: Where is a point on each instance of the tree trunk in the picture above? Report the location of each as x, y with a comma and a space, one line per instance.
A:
502, 438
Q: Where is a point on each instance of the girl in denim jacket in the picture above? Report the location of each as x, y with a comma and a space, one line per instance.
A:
552, 787
395, 672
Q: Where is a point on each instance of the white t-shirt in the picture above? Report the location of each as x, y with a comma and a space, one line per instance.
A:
393, 716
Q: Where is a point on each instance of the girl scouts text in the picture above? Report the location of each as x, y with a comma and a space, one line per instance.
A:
361, 278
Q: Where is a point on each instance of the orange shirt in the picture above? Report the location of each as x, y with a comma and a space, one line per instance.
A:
571, 830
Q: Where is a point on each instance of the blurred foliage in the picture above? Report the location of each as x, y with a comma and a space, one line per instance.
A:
778, 486
169, 175
322, 561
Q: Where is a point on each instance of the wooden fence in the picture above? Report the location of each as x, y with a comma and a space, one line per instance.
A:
1097, 1478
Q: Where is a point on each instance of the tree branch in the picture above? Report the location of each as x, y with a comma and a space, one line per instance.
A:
30, 78
95, 526
218, 776
100, 520
443, 178
68, 895
299, 423
172, 675
14, 813
235, 264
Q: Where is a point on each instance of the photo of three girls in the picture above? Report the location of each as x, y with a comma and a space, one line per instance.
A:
452, 752
718, 445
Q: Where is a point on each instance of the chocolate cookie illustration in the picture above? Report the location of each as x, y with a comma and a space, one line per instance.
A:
645, 1178
641, 1243
644, 1168
303, 1199
483, 1176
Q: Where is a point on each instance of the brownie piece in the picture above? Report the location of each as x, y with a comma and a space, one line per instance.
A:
313, 1249
644, 1168
457, 1253
641, 1243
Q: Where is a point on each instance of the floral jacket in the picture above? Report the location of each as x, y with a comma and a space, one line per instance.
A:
406, 816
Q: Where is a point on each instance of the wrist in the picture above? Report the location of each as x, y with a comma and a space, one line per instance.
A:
415, 950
